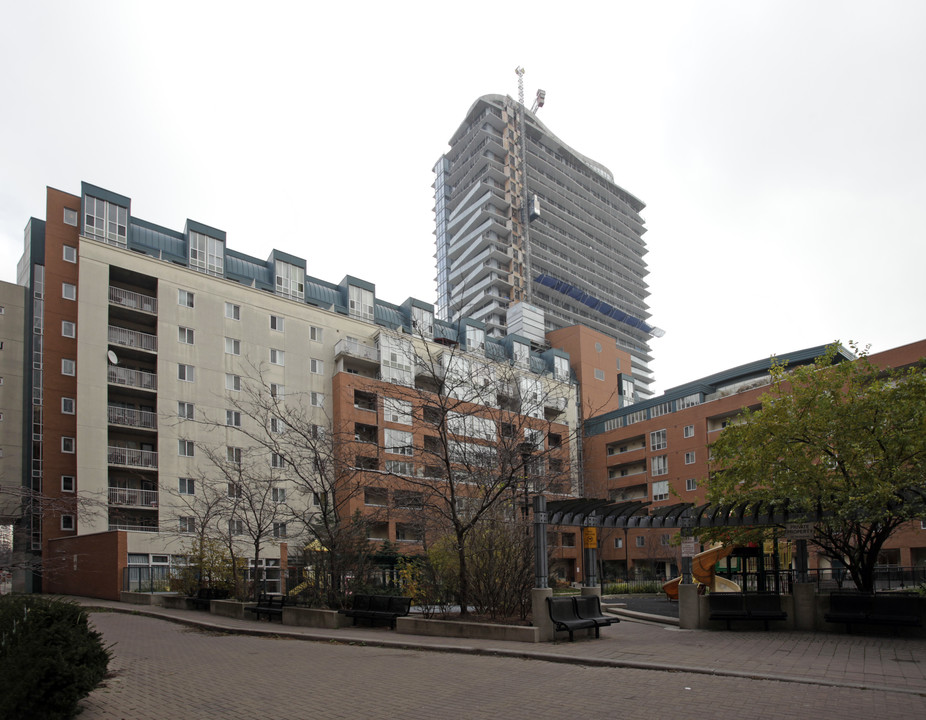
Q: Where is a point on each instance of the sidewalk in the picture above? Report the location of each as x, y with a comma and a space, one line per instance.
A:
874, 662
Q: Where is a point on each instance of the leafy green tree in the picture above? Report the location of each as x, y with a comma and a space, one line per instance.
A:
844, 442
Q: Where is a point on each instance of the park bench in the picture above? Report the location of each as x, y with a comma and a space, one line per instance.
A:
378, 608
269, 605
588, 607
757, 607
893, 609
564, 617
205, 596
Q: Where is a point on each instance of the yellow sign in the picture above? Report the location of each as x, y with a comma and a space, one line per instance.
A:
589, 538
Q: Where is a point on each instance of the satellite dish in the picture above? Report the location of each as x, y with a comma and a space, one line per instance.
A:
112, 357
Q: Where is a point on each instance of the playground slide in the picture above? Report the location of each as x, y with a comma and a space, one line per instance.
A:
702, 571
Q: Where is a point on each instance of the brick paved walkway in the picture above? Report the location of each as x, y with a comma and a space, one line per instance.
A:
163, 669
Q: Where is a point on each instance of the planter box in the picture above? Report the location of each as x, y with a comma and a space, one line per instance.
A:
477, 631
314, 617
176, 602
229, 608
137, 598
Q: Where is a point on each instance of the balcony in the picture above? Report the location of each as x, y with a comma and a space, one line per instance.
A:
357, 351
131, 417
133, 300
133, 378
132, 497
129, 457
133, 528
133, 339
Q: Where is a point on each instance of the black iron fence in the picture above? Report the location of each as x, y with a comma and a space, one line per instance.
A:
146, 578
829, 579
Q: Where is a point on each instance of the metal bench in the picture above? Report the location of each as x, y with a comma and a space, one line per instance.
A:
759, 607
564, 617
377, 608
269, 605
588, 607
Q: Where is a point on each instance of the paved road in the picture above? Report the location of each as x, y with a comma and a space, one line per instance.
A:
162, 670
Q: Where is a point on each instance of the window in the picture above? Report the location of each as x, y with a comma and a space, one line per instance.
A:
398, 442
185, 410
70, 254
277, 425
67, 405
232, 346
599, 374
68, 367
661, 409
187, 524
659, 465
691, 484
276, 356
70, 217
276, 460
689, 431
276, 323
641, 541
185, 448
660, 490
277, 390
475, 338
232, 382
317, 399
397, 411
185, 335
423, 322
279, 529
569, 539
664, 540
689, 401
315, 334
234, 490
278, 494
233, 455
657, 440
186, 373
67, 445
360, 302
68, 329
67, 483
561, 368
186, 486
105, 221
68, 291
185, 298
290, 280
235, 527
207, 254
67, 522
618, 543
316, 366
232, 311
690, 458
399, 467
233, 418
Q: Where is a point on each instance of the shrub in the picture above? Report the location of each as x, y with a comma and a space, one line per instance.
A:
50, 658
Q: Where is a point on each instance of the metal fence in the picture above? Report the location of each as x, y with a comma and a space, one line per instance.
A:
829, 579
146, 578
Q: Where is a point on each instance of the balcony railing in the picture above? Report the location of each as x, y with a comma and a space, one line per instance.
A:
133, 378
132, 458
133, 300
356, 349
133, 417
133, 339
133, 497
133, 528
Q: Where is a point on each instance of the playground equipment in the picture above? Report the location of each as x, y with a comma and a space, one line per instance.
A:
702, 571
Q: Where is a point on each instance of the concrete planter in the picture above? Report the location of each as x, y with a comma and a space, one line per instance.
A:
314, 617
477, 631
229, 608
176, 602
137, 598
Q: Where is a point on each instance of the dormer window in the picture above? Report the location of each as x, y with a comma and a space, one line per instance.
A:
360, 303
290, 280
105, 221
475, 338
207, 254
423, 322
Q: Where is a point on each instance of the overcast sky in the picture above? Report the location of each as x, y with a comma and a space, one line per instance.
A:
779, 146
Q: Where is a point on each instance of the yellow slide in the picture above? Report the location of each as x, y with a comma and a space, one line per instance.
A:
702, 571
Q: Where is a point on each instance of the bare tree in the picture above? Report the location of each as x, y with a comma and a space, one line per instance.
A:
493, 433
